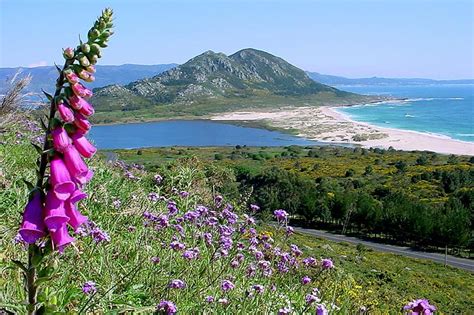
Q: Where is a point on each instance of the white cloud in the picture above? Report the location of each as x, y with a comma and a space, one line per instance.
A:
41, 63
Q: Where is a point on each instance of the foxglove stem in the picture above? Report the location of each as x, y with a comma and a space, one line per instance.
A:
31, 275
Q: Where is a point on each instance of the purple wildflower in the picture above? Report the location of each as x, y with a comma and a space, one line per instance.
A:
177, 284
155, 260
153, 197
254, 208
420, 307
218, 201
116, 203
99, 235
177, 245
258, 288
191, 254
227, 285
321, 309
284, 311
311, 298
167, 307
289, 231
89, 287
209, 299
305, 280
172, 208
295, 250
281, 215
327, 264
183, 194
309, 262
158, 179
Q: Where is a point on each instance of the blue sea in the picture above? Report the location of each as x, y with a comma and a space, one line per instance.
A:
438, 109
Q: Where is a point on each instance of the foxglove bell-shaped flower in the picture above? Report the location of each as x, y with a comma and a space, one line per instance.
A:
60, 179
81, 91
77, 196
32, 227
54, 212
65, 113
87, 109
61, 238
72, 77
75, 165
81, 122
83, 146
76, 218
61, 139
76, 102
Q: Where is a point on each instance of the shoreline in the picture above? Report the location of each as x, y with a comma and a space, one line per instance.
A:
326, 124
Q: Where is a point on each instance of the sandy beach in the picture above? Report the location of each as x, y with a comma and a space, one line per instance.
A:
328, 125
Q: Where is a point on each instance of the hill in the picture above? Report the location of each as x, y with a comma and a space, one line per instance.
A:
338, 80
44, 77
246, 78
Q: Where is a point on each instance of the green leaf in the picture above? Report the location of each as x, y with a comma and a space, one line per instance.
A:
42, 280
43, 124
57, 68
20, 265
29, 185
49, 96
37, 147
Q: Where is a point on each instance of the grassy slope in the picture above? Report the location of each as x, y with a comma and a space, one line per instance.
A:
381, 282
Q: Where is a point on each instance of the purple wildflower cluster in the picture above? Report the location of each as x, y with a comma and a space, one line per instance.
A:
231, 239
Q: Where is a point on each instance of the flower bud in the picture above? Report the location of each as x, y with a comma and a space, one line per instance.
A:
81, 91
81, 122
65, 113
85, 48
94, 59
84, 61
90, 78
68, 53
91, 69
83, 74
93, 34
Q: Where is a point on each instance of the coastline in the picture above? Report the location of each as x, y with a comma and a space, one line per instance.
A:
326, 124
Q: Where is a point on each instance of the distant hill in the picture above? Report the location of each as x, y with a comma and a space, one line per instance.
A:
249, 76
44, 77
336, 80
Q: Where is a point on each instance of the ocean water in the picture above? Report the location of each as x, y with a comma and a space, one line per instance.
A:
188, 133
446, 110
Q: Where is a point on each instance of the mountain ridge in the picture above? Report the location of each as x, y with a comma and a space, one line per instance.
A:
245, 74
339, 80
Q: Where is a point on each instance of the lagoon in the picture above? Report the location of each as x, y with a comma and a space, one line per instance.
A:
188, 133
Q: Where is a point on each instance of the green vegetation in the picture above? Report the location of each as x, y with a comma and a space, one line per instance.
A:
128, 280
414, 198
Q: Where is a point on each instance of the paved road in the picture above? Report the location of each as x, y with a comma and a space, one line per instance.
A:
463, 263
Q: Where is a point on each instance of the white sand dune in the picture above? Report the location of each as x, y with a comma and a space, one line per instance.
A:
326, 124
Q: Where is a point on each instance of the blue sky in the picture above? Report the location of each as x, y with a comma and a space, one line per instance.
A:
391, 38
